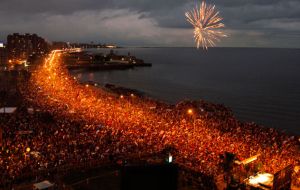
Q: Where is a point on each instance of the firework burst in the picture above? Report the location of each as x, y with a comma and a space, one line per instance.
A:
206, 21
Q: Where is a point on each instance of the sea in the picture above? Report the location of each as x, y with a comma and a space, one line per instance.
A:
260, 85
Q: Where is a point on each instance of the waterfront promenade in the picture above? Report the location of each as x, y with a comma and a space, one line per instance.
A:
84, 123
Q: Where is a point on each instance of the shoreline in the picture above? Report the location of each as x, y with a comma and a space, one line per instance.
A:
114, 66
199, 132
121, 90
127, 92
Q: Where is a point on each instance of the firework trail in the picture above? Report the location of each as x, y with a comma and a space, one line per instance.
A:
206, 21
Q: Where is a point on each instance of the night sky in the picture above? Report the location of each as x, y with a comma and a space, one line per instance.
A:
249, 23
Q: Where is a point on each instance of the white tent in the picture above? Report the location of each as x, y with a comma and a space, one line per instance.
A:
30, 110
8, 109
42, 185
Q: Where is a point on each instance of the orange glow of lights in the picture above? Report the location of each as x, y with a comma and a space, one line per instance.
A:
261, 178
121, 114
27, 149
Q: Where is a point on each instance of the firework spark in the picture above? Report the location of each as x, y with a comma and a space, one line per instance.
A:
206, 21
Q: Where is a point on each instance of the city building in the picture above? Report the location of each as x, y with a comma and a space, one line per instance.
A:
20, 47
3, 54
59, 45
122, 59
78, 58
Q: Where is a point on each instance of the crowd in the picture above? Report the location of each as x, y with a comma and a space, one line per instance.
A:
74, 123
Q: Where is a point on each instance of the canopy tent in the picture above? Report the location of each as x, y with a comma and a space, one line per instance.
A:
42, 185
30, 110
8, 109
261, 180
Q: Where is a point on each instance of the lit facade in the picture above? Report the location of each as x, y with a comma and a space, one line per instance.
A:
20, 47
3, 55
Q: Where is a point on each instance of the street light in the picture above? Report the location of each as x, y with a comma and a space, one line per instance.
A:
27, 149
170, 158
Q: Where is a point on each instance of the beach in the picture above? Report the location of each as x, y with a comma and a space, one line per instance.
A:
80, 125
260, 85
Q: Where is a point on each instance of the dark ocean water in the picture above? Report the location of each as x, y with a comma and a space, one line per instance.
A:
260, 85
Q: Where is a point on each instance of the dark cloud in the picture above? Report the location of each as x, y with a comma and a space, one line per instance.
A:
138, 22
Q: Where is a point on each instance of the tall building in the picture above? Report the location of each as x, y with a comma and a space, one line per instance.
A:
20, 47
3, 55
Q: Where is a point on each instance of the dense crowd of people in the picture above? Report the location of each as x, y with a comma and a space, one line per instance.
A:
72, 123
